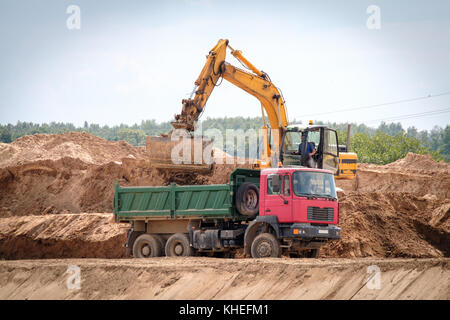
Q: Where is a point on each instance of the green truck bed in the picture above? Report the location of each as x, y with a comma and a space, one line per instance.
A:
181, 202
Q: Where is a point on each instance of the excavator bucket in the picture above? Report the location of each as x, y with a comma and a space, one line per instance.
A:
182, 155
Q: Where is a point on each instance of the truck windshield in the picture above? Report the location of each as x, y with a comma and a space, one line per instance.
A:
310, 183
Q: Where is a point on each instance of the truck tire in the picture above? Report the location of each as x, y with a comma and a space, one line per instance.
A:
146, 246
247, 199
178, 246
265, 245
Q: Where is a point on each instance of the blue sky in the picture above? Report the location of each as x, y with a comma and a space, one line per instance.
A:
136, 60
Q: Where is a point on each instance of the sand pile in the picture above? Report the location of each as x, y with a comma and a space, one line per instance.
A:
392, 224
63, 236
418, 163
401, 209
75, 145
416, 174
70, 172
75, 172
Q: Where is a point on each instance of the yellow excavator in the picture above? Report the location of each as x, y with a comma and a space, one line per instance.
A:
281, 141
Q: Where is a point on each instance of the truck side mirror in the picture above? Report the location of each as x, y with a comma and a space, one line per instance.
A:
276, 183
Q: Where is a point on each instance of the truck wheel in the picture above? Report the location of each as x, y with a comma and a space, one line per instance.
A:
265, 245
247, 199
314, 253
178, 246
146, 246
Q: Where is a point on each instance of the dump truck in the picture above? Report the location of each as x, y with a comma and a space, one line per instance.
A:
291, 211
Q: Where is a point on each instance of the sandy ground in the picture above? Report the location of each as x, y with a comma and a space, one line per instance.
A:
209, 278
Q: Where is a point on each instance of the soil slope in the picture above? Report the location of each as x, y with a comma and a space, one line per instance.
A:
208, 278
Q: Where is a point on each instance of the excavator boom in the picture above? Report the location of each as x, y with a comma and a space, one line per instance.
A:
256, 83
204, 85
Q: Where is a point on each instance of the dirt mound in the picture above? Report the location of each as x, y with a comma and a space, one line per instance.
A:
416, 174
63, 185
418, 162
70, 185
226, 279
75, 172
62, 236
77, 145
392, 224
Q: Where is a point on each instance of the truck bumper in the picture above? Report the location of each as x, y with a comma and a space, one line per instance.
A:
303, 230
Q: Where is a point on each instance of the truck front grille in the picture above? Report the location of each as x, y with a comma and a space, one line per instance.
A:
320, 214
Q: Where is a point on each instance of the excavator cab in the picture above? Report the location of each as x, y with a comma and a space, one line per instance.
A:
294, 145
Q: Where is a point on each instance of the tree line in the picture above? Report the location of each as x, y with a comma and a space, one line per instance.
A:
381, 145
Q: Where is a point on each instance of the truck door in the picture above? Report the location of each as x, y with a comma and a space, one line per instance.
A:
278, 202
330, 159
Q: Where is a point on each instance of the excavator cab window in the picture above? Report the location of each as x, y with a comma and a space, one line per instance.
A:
289, 148
314, 137
292, 139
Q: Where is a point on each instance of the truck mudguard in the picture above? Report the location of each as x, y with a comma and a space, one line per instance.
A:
250, 232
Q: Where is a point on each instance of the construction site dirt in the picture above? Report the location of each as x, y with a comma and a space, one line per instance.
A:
56, 202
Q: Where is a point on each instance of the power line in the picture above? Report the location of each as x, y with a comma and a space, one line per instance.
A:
413, 115
380, 104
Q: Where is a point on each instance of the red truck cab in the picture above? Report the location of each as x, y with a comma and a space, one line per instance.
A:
298, 213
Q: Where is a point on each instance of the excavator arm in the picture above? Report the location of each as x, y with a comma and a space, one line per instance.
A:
257, 83
204, 85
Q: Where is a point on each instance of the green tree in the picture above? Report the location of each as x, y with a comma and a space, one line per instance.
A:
132, 136
5, 135
383, 148
445, 148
